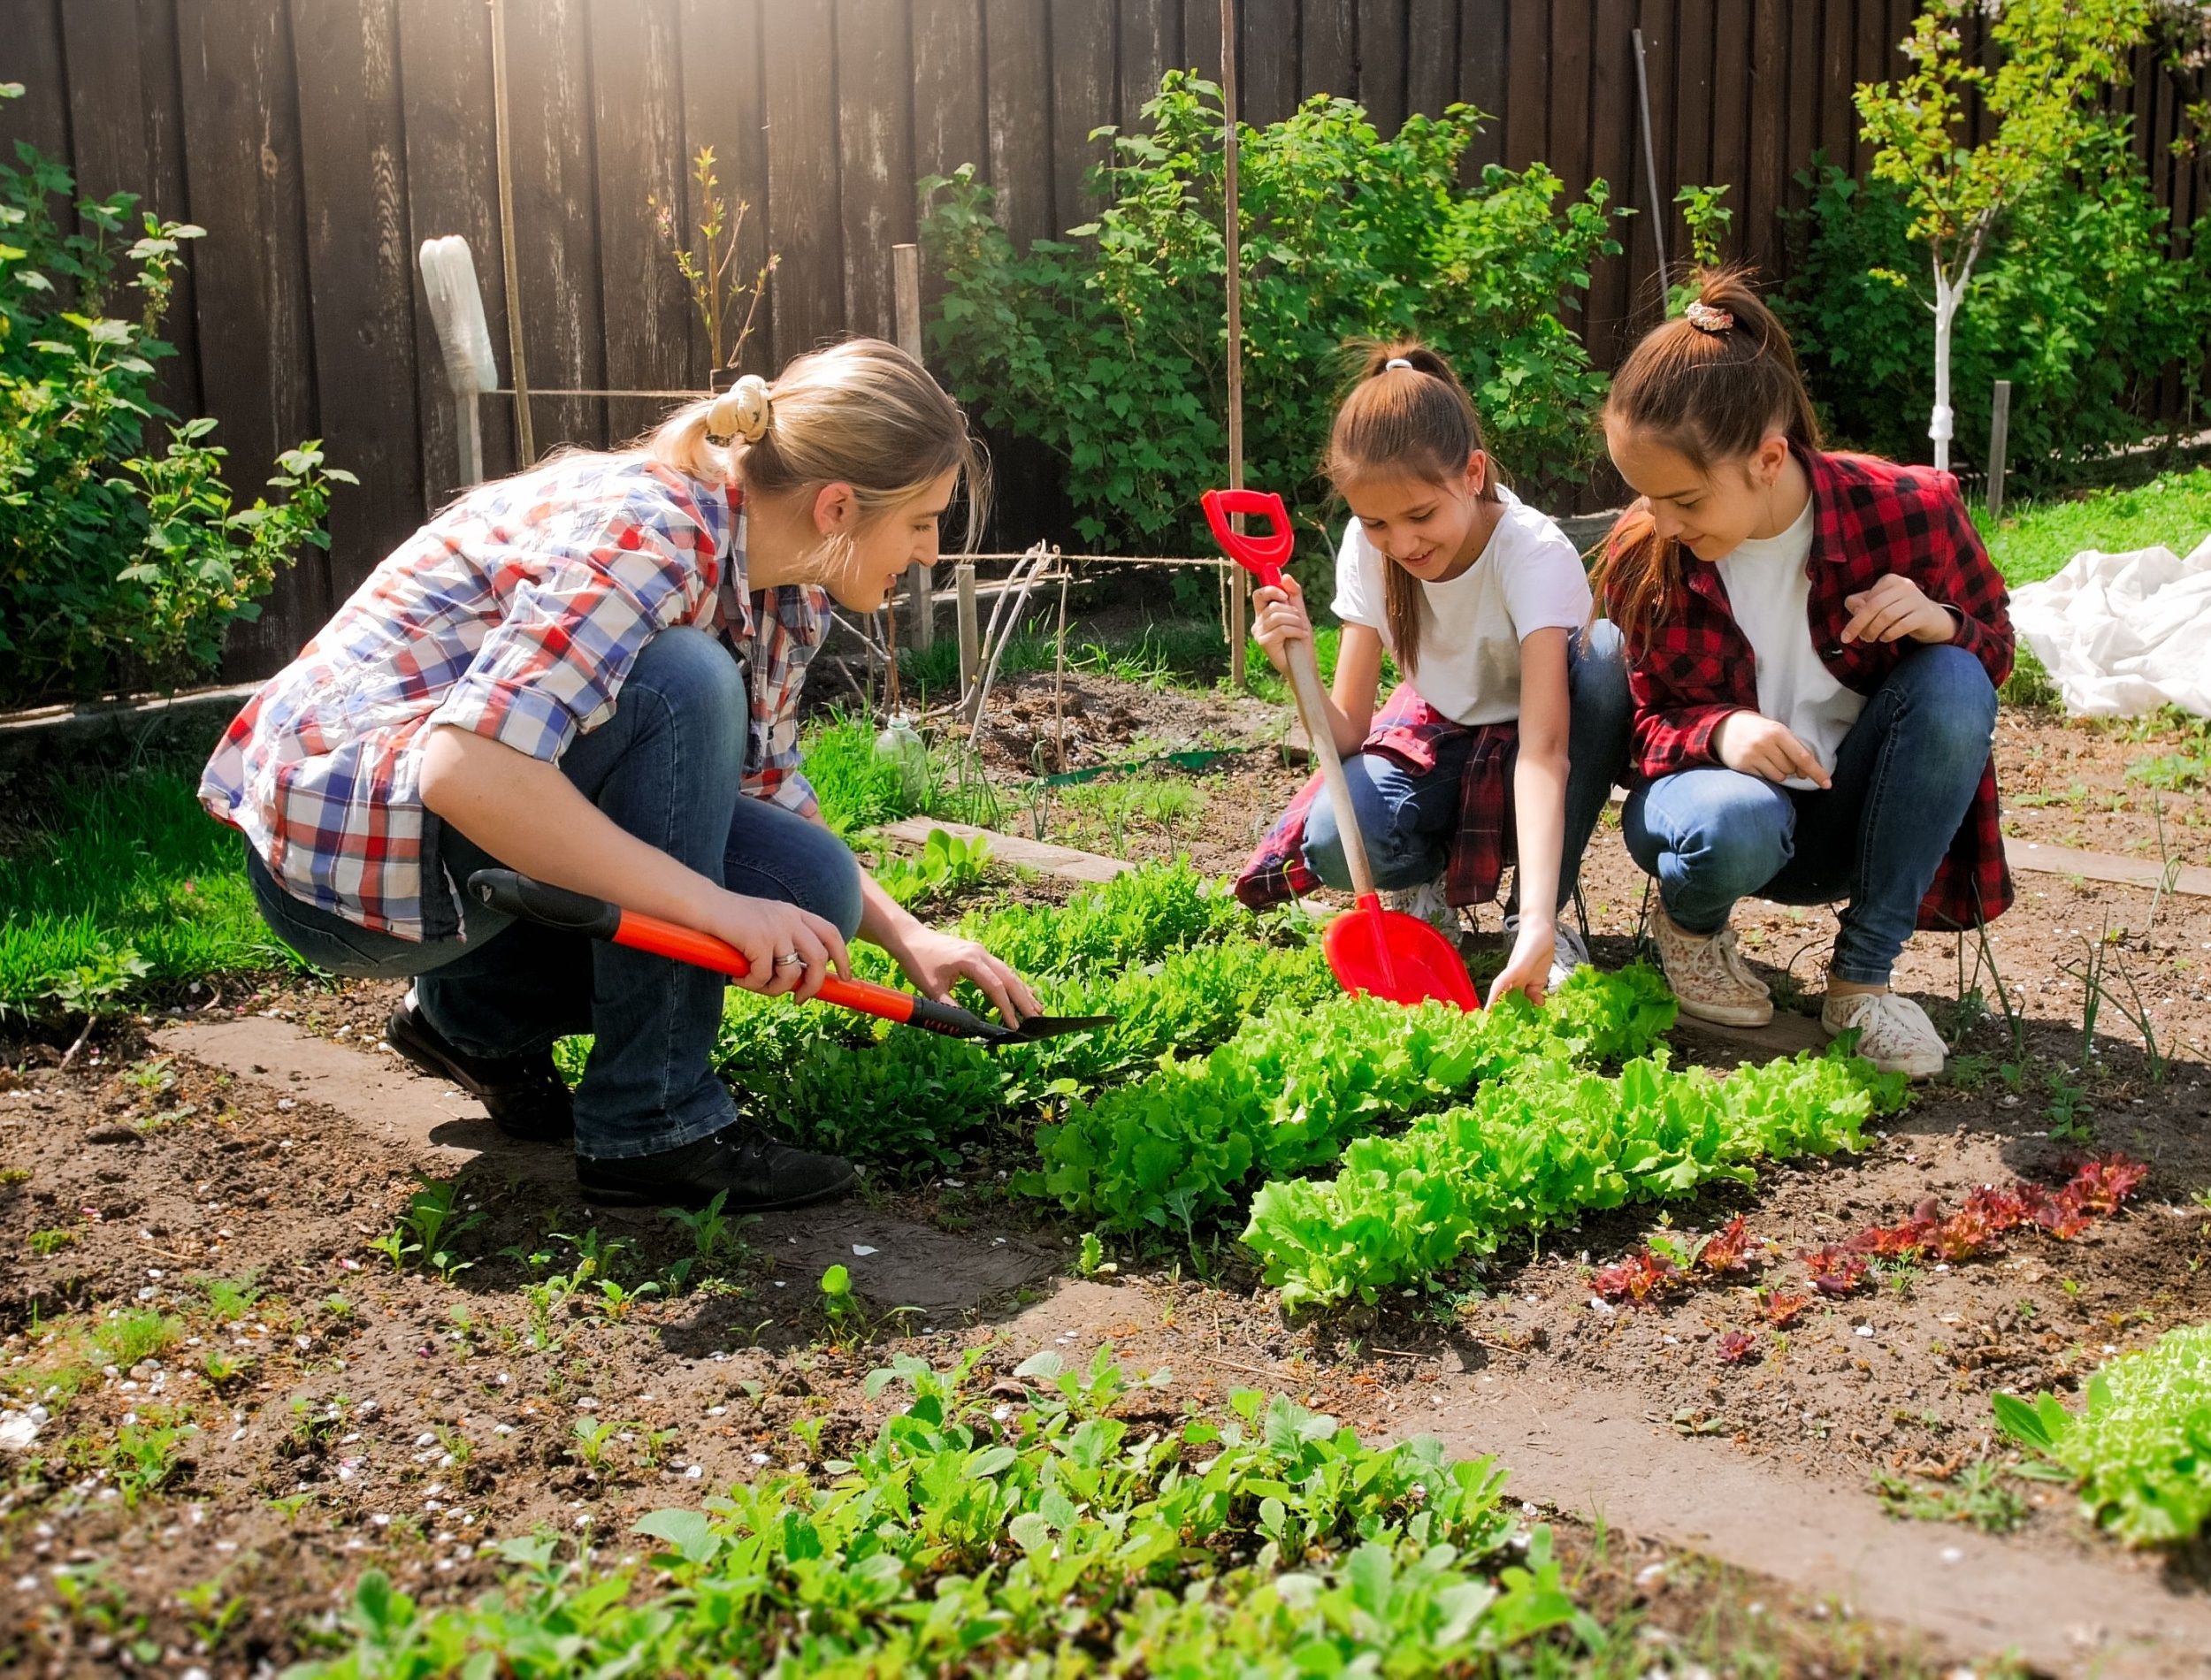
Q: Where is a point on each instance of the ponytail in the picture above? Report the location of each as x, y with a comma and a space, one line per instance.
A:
1405, 416
1711, 385
862, 413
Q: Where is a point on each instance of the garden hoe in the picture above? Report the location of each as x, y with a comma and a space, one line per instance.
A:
518, 895
1370, 950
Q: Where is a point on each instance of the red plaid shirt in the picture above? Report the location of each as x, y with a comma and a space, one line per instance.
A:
1693, 667
1409, 731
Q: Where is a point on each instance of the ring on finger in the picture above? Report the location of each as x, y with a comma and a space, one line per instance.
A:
790, 959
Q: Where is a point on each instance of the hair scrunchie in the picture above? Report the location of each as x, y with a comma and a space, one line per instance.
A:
1705, 318
1396, 362
744, 410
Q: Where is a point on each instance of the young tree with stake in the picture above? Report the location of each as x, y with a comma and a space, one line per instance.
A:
2050, 59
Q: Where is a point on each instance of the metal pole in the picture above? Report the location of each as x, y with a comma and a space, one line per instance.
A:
1650, 163
1999, 446
526, 441
1235, 240
906, 287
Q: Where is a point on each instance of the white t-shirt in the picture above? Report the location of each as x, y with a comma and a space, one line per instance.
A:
1528, 578
1769, 593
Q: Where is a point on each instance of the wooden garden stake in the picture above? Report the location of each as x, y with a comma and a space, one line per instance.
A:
970, 641
906, 286
1998, 446
525, 442
1234, 234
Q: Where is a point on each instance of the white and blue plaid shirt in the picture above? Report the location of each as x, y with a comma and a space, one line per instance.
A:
515, 614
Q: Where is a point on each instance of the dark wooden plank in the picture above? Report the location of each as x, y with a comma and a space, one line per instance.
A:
1150, 45
444, 58
1765, 170
1731, 49
724, 110
639, 160
1838, 113
242, 155
1528, 114
360, 265
1432, 29
557, 236
1567, 148
1266, 63
1201, 37
948, 103
163, 186
1082, 99
1381, 63
1612, 153
1800, 135
1692, 103
31, 52
1484, 32
1016, 43
803, 225
1327, 48
1647, 285
874, 137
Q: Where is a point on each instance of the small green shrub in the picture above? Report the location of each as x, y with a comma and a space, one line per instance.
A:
122, 564
1112, 352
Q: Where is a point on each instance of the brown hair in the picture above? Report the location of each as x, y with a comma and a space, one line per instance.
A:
1415, 421
1711, 393
862, 412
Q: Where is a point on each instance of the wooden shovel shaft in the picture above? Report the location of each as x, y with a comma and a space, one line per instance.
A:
1312, 711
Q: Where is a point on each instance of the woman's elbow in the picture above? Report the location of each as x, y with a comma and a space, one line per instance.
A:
444, 760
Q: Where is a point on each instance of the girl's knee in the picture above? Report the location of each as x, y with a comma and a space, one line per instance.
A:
1731, 828
692, 672
1951, 688
828, 877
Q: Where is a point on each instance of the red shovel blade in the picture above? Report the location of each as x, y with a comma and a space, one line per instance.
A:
1398, 956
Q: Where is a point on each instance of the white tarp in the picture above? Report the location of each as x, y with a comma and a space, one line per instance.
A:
2124, 634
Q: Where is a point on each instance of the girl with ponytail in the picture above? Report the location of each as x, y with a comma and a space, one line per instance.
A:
1814, 643
1511, 724
590, 673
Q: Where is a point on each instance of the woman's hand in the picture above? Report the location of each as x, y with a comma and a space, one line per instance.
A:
935, 962
1894, 608
769, 932
1757, 746
1528, 970
1282, 618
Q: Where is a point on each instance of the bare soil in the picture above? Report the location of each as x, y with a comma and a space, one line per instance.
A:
389, 1416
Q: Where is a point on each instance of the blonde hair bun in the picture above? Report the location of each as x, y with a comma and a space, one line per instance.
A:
744, 410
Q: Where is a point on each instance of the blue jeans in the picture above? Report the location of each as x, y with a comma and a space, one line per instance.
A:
668, 767
1407, 821
1904, 778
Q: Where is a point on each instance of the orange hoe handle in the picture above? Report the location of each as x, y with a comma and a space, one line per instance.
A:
518, 895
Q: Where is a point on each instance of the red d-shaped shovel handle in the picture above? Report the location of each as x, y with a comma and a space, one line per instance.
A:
1263, 555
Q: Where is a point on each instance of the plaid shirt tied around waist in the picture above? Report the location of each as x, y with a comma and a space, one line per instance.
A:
516, 613
1694, 666
1411, 733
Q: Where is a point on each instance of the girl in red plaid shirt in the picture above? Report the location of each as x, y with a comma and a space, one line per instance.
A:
1815, 642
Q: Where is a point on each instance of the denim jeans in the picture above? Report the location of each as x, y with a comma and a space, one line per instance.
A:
668, 767
1904, 778
1407, 820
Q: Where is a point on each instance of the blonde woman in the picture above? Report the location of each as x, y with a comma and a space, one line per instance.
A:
590, 673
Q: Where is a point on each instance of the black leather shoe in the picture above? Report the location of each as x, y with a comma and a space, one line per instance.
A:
757, 1175
524, 1094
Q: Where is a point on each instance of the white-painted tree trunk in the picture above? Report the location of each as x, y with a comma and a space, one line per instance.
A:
1941, 425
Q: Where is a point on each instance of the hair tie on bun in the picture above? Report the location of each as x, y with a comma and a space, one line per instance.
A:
744, 410
1396, 362
1705, 318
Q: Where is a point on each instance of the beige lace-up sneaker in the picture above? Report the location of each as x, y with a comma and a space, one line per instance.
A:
1427, 901
1709, 979
1894, 1033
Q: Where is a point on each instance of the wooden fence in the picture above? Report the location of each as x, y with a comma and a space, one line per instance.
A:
320, 142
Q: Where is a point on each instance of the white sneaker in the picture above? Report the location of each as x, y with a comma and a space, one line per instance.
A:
1567, 952
1708, 977
1426, 901
1894, 1033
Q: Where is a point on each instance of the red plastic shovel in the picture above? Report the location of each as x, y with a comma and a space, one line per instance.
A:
1370, 950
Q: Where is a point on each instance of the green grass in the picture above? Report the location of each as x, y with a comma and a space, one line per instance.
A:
125, 861
2035, 540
